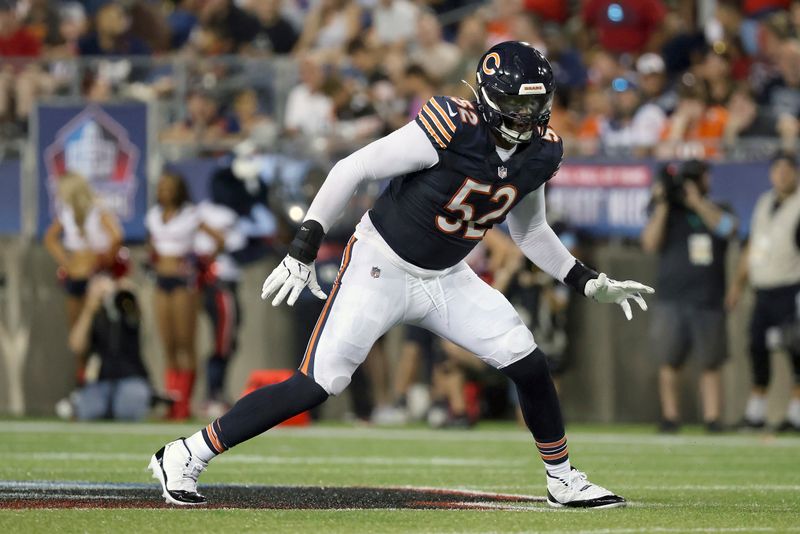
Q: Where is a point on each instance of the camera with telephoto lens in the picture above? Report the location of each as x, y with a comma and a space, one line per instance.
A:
673, 177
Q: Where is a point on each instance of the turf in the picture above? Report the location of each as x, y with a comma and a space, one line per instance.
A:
686, 483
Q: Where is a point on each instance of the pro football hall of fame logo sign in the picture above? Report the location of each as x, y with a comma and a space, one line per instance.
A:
97, 147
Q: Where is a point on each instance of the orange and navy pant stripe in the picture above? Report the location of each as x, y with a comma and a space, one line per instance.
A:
553, 452
307, 365
211, 435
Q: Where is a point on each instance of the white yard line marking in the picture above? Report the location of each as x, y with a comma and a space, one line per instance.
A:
276, 460
404, 434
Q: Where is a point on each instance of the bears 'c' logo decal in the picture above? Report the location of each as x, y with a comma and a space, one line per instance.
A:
491, 70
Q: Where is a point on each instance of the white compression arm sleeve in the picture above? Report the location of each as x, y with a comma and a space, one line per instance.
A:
403, 151
530, 231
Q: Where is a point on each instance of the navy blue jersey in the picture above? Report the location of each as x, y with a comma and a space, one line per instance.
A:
433, 218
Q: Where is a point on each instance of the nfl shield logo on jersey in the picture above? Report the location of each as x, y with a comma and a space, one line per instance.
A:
376, 273
502, 172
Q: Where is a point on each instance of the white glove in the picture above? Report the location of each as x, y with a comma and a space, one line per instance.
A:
604, 289
291, 276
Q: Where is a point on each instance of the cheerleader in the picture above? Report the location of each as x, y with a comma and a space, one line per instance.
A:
83, 240
173, 224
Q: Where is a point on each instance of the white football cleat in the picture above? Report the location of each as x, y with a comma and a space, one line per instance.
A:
174, 466
577, 492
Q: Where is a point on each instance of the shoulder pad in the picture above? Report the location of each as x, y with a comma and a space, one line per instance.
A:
444, 118
550, 154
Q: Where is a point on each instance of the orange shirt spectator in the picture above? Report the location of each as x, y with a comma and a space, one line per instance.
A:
696, 131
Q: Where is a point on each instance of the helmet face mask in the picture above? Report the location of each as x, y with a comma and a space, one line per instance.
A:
515, 91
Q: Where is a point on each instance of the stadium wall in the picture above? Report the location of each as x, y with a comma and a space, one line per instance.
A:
613, 377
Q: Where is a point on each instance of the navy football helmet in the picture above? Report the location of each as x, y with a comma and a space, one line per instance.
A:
515, 90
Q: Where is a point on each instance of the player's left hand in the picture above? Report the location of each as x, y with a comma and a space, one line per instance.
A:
604, 289
289, 278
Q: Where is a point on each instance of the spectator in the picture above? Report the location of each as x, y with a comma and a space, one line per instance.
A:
42, 20
782, 95
275, 34
82, 239
771, 264
108, 328
356, 118
20, 80
72, 25
773, 31
525, 28
309, 111
365, 64
690, 234
172, 226
395, 23
247, 120
500, 16
759, 8
596, 109
747, 122
653, 82
625, 26
112, 35
715, 72
568, 68
16, 40
438, 57
182, 21
794, 14
418, 88
549, 10
696, 128
471, 41
204, 124
603, 68
231, 25
329, 26
632, 128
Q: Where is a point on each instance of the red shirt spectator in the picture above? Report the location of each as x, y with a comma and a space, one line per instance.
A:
16, 40
623, 25
759, 7
552, 10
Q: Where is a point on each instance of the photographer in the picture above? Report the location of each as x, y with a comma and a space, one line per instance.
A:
108, 329
690, 234
771, 262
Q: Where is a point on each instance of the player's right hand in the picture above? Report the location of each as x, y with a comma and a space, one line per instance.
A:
289, 278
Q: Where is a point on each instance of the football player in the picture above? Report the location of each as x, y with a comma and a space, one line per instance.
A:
459, 168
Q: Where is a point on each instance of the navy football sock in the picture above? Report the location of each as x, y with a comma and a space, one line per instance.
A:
260, 410
541, 408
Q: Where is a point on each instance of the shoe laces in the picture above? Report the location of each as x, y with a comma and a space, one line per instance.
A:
190, 473
578, 480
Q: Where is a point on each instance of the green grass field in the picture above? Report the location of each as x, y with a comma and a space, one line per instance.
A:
685, 483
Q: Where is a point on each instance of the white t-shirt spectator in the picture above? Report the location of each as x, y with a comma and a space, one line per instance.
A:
643, 131
398, 22
308, 113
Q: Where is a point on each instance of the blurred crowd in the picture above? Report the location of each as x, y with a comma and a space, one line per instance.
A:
680, 78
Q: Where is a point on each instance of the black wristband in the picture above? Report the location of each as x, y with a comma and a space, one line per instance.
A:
306, 241
578, 276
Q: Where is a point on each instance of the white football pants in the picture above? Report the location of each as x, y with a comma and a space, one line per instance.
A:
376, 290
